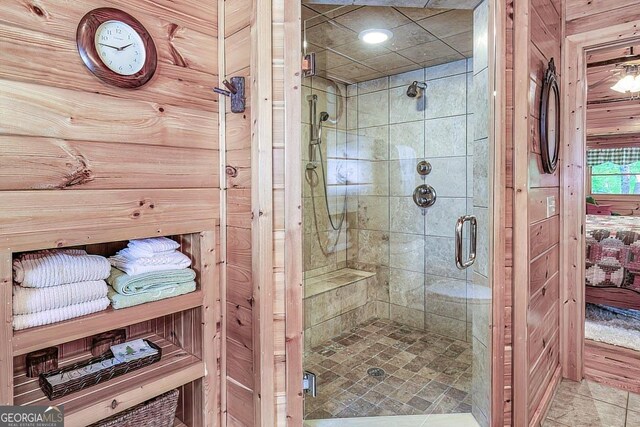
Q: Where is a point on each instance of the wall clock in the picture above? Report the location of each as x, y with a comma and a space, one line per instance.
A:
550, 120
116, 48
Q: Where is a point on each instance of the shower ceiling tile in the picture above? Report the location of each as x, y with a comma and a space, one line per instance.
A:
359, 51
329, 34
454, 4
449, 23
409, 35
462, 42
416, 14
351, 72
327, 59
422, 36
423, 53
372, 17
310, 17
381, 63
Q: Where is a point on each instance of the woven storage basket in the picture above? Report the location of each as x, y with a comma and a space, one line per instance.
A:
157, 412
54, 392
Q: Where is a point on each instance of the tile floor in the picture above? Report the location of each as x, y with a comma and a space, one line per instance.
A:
424, 373
590, 404
433, 420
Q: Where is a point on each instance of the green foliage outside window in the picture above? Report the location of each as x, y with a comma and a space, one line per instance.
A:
610, 178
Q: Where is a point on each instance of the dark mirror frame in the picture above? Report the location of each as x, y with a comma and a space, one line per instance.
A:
550, 93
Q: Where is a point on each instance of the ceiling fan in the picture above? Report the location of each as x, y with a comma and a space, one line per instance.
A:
626, 72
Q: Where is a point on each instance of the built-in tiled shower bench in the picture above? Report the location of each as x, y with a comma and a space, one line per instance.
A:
336, 302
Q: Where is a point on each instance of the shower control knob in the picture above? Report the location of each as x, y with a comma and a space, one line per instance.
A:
424, 196
423, 168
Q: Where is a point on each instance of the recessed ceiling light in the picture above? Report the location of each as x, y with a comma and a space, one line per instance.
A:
375, 36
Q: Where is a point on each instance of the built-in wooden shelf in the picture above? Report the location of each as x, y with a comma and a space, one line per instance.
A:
176, 368
31, 339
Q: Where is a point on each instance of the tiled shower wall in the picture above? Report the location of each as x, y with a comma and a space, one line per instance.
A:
412, 251
480, 295
324, 251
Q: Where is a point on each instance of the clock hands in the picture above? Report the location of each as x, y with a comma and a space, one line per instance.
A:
108, 45
119, 49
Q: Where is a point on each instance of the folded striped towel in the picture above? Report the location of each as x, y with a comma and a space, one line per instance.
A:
123, 301
126, 284
24, 321
126, 261
34, 300
57, 267
145, 248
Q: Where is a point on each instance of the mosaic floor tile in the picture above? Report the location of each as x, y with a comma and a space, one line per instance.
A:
423, 373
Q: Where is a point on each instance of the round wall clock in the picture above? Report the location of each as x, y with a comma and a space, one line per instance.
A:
550, 120
116, 48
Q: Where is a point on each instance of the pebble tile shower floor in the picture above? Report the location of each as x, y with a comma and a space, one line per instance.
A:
424, 373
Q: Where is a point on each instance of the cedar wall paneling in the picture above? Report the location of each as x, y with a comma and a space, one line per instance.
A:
544, 25
240, 372
587, 15
544, 234
508, 250
82, 161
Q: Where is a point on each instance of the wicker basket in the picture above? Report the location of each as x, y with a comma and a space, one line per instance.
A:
157, 412
59, 390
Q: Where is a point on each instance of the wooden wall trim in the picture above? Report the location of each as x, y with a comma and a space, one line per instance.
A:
573, 184
6, 327
262, 212
521, 48
497, 134
222, 146
293, 215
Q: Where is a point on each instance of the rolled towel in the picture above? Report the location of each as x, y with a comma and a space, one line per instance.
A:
132, 265
123, 301
52, 268
34, 300
151, 246
126, 284
23, 321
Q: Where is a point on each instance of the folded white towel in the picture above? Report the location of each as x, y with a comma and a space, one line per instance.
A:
23, 321
132, 265
154, 245
52, 268
34, 300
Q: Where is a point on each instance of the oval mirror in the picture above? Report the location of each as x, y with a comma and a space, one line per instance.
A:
550, 120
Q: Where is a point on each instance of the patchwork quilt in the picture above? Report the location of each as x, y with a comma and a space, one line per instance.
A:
613, 251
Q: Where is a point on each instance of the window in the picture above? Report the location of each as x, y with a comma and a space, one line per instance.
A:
611, 178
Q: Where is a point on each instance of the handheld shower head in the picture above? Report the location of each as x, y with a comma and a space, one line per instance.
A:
412, 90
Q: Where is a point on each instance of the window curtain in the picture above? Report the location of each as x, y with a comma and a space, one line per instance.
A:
619, 156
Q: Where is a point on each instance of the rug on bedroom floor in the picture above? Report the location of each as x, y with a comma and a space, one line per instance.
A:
612, 326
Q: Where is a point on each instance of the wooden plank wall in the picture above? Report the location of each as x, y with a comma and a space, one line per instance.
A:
587, 15
538, 38
83, 161
239, 316
508, 224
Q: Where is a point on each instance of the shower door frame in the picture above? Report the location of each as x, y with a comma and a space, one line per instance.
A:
294, 345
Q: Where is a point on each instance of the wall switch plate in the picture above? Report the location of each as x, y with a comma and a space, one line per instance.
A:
551, 206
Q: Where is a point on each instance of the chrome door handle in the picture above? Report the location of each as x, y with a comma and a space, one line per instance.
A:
472, 244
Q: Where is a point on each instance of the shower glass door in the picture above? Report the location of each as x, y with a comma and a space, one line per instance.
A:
395, 150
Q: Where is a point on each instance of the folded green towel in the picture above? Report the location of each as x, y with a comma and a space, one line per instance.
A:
124, 301
148, 282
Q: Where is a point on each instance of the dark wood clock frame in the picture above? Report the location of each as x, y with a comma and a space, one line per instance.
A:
85, 39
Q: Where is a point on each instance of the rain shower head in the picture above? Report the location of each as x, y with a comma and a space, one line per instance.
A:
324, 116
413, 89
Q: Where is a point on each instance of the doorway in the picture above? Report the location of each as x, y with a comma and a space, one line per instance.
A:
394, 323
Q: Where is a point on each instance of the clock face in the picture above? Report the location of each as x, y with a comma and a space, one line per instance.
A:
120, 47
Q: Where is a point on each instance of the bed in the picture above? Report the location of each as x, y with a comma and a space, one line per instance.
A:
613, 261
